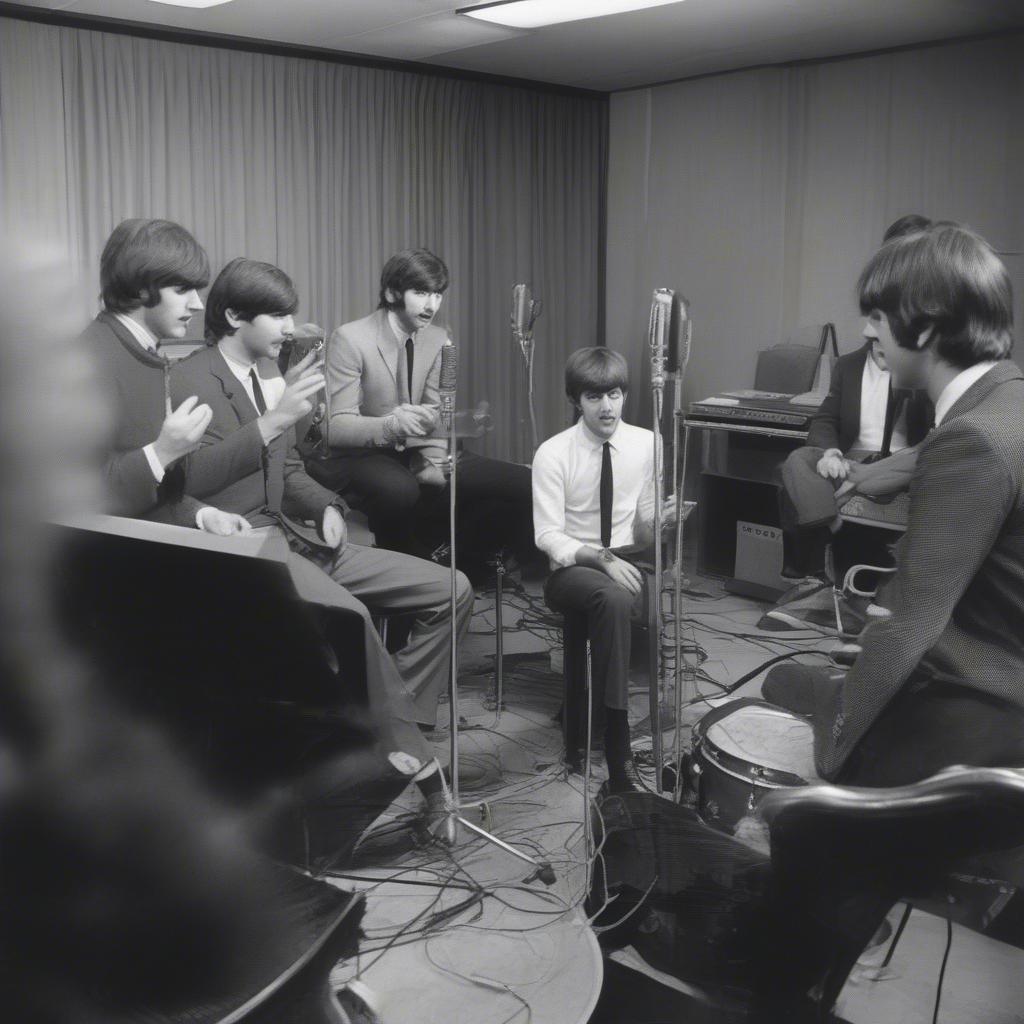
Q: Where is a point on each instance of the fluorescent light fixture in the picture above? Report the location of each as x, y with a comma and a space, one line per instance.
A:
536, 13
191, 3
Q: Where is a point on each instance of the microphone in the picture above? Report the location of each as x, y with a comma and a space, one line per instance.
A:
685, 336
309, 330
682, 337
658, 333
446, 383
522, 310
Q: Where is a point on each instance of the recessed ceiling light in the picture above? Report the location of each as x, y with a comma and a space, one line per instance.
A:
535, 13
191, 3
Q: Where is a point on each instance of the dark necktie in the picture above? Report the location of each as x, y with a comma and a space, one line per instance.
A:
606, 494
409, 347
257, 392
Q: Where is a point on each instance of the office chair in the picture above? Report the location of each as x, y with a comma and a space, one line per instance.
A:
843, 856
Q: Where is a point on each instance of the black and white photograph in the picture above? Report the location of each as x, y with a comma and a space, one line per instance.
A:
512, 512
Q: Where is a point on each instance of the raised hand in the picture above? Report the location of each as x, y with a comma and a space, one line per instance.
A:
297, 400
182, 431
312, 360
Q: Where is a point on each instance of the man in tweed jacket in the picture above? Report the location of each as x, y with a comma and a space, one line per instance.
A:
940, 681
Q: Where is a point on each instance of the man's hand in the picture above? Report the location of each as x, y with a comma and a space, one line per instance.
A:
414, 420
885, 478
312, 360
624, 573
221, 523
832, 465
846, 490
296, 402
430, 474
668, 510
334, 528
182, 431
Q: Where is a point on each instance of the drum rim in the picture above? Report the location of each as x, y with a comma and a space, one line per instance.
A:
738, 767
747, 771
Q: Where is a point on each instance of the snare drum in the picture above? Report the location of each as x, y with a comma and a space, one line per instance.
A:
743, 750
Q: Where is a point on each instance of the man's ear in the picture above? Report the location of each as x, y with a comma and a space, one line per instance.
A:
233, 318
924, 339
393, 297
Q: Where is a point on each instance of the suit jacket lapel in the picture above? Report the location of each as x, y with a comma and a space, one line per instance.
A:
849, 400
387, 345
232, 387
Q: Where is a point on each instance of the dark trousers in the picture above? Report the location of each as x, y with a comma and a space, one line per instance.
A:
494, 502
928, 726
806, 507
606, 609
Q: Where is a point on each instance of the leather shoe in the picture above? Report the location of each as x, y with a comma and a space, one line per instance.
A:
435, 823
625, 780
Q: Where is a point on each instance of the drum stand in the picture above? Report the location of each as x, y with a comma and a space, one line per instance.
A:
454, 819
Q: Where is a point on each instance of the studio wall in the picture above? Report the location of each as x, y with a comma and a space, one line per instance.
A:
324, 169
760, 194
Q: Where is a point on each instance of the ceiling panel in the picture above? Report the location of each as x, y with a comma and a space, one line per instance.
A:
621, 51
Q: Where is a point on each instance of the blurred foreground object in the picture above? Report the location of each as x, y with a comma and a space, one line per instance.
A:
122, 885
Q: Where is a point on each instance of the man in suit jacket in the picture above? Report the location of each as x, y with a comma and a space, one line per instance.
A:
387, 458
249, 464
150, 273
940, 681
863, 413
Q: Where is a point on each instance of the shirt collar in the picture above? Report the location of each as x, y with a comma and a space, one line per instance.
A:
955, 389
142, 334
593, 441
239, 369
874, 370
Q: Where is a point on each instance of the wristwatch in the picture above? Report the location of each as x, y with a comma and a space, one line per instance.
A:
606, 555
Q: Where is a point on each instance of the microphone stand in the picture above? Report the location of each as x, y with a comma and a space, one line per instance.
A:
543, 869
661, 311
523, 320
678, 485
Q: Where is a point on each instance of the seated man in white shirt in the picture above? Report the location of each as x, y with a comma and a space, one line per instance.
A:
593, 491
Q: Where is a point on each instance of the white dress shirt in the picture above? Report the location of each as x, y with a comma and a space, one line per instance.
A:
271, 387
149, 342
874, 402
566, 489
957, 386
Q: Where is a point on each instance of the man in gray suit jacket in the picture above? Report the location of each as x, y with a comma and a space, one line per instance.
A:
387, 457
939, 681
249, 464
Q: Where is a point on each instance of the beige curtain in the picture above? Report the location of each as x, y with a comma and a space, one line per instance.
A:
760, 194
324, 169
